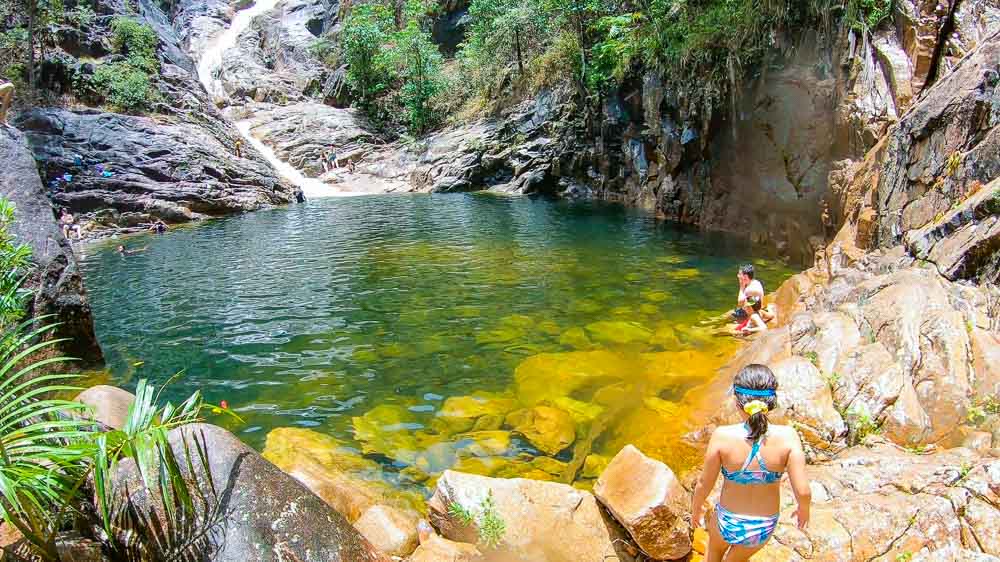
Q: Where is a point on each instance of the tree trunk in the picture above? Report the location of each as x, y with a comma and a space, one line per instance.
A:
517, 45
32, 8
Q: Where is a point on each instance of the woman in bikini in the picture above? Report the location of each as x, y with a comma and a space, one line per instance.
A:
752, 457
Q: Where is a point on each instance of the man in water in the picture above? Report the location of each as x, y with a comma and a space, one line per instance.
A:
124, 252
6, 95
750, 290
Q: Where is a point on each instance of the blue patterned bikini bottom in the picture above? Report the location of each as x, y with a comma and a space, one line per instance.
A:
744, 530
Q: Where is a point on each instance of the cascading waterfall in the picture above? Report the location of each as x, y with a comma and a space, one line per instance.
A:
211, 60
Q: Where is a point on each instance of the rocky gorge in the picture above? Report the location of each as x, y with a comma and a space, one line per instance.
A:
885, 348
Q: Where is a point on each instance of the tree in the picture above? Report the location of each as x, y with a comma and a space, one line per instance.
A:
367, 30
502, 35
419, 63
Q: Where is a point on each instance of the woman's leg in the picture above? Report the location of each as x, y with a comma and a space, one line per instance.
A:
716, 549
743, 553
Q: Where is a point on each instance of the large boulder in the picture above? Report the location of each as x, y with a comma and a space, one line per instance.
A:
438, 549
806, 402
264, 513
109, 404
882, 503
647, 499
169, 169
56, 277
390, 530
544, 521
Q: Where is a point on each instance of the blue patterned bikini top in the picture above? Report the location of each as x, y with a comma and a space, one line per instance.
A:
744, 476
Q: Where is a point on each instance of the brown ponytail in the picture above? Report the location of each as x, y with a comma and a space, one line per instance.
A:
756, 377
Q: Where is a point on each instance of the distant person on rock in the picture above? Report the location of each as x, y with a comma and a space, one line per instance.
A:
749, 288
6, 96
158, 227
239, 148
69, 225
752, 456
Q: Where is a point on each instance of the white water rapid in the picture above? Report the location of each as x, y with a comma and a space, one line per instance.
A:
211, 60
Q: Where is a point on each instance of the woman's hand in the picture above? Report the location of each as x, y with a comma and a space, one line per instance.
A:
802, 515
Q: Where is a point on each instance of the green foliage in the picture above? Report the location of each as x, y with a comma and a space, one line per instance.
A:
865, 16
43, 449
14, 262
83, 16
137, 42
419, 63
813, 357
50, 456
126, 85
861, 425
123, 86
503, 36
369, 71
490, 525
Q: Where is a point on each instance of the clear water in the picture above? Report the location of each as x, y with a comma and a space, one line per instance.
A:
312, 315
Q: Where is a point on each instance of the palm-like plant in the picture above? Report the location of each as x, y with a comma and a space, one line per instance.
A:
44, 449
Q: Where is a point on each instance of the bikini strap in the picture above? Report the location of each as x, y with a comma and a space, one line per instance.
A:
753, 453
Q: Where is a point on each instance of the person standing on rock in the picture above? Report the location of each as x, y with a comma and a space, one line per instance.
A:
747, 454
6, 96
239, 148
69, 225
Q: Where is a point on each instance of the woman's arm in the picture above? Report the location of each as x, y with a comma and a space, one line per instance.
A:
709, 474
798, 479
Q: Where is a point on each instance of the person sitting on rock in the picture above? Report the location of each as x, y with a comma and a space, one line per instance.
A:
158, 227
753, 319
69, 225
749, 507
749, 287
6, 96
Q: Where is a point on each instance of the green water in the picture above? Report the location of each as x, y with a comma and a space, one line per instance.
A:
312, 315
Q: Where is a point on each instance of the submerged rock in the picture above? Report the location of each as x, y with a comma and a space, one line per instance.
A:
647, 499
543, 521
549, 429
348, 482
618, 332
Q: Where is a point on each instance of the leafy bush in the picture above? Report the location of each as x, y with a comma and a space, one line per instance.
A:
14, 262
137, 42
490, 525
865, 16
82, 16
123, 86
369, 71
419, 64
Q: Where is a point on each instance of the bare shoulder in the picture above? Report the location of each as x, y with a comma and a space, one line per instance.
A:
784, 433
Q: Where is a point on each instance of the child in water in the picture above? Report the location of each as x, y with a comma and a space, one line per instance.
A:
752, 456
754, 318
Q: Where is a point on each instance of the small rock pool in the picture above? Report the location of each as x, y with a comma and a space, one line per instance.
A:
410, 334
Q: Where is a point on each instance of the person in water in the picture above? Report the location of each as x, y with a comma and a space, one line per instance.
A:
121, 250
158, 227
754, 319
749, 288
752, 457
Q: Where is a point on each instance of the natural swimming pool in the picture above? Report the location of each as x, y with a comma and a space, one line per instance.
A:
421, 330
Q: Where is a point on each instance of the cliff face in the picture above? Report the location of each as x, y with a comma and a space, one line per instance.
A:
55, 277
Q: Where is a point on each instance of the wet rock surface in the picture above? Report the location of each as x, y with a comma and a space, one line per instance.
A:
531, 511
56, 276
159, 169
266, 514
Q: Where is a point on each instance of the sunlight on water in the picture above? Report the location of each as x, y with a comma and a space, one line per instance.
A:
503, 336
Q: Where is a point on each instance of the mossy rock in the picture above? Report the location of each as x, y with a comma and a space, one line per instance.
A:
480, 411
484, 443
575, 374
575, 338
618, 332
388, 429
